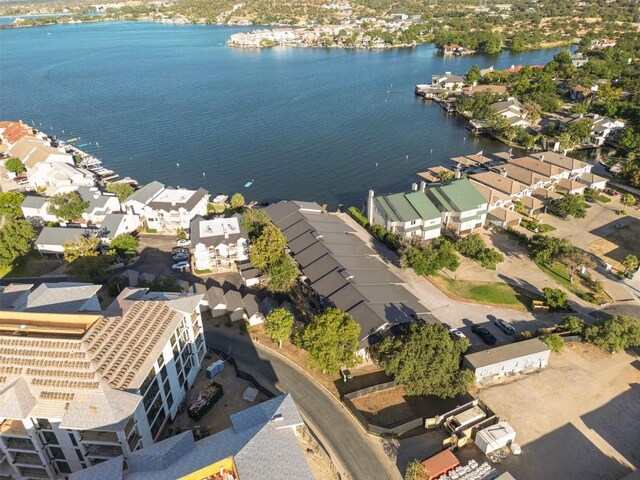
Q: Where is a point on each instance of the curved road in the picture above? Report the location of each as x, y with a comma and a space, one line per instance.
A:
360, 455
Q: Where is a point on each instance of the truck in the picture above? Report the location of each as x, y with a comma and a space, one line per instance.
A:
207, 398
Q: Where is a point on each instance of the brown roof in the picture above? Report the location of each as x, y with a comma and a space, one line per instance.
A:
569, 185
14, 131
523, 175
545, 195
470, 160
536, 165
499, 89
490, 194
440, 463
431, 174
531, 203
504, 215
498, 182
560, 160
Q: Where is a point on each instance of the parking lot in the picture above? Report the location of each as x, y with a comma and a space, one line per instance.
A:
576, 419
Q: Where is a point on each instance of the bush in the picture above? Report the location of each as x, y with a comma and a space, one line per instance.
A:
615, 334
489, 258
520, 236
572, 324
555, 298
358, 216
553, 341
379, 232
392, 241
473, 246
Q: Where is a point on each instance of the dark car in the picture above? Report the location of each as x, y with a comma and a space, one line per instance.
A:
486, 336
180, 256
505, 326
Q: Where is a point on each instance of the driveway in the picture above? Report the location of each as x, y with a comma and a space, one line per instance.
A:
356, 453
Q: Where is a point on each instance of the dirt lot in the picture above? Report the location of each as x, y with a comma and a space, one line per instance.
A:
617, 245
577, 419
387, 408
218, 418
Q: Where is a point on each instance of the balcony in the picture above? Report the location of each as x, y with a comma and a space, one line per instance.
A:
13, 428
20, 444
103, 451
96, 436
33, 473
27, 459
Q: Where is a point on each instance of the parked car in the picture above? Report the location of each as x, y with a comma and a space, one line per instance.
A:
180, 266
505, 326
180, 256
176, 250
486, 336
183, 243
455, 333
589, 199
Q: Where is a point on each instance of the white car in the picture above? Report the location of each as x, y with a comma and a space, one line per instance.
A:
456, 333
180, 265
183, 243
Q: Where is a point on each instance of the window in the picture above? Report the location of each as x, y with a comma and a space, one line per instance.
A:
50, 437
169, 400
44, 423
73, 439
151, 394
79, 454
152, 412
163, 373
161, 360
56, 452
62, 467
167, 387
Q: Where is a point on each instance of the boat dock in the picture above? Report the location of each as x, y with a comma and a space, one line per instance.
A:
91, 163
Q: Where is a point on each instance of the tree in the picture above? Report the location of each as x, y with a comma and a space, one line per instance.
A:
630, 263
425, 360
181, 234
571, 324
572, 204
545, 248
10, 204
84, 261
16, 239
281, 275
471, 245
332, 340
237, 201
445, 175
580, 130
278, 325
162, 284
415, 471
495, 122
268, 247
553, 341
615, 334
14, 165
555, 298
67, 206
123, 245
473, 75
628, 200
120, 190
253, 221
429, 260
83, 247
493, 43
574, 259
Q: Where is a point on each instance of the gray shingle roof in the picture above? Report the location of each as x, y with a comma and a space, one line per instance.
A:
34, 201
61, 235
146, 193
64, 297
111, 223
505, 352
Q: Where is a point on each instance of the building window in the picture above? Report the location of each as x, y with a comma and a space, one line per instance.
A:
79, 454
44, 424
50, 437
56, 452
169, 400
73, 439
62, 467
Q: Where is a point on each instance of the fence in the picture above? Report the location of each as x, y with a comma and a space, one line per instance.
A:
241, 373
377, 429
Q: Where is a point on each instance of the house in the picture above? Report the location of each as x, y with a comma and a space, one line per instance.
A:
573, 166
463, 207
579, 60
216, 301
503, 217
52, 240
114, 224
599, 44
32, 151
235, 306
36, 208
434, 174
50, 177
342, 271
454, 49
262, 443
219, 243
545, 196
495, 199
447, 81
517, 68
61, 297
250, 274
524, 176
579, 93
470, 91
513, 111
603, 129
593, 181
541, 167
253, 314
508, 359
471, 161
174, 208
11, 132
137, 202
567, 185
501, 183
100, 204
406, 214
531, 204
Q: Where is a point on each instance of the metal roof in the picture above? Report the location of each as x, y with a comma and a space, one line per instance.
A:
505, 353
458, 196
406, 207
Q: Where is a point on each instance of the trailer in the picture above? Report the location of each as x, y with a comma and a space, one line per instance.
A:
207, 398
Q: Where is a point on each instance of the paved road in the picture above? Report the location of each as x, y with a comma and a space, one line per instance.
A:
358, 454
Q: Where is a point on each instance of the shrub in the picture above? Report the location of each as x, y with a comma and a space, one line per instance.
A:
358, 216
553, 341
555, 298
379, 232
615, 334
520, 236
572, 324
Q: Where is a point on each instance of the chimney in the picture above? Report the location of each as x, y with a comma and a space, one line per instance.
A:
458, 174
414, 187
503, 172
423, 185
542, 158
370, 207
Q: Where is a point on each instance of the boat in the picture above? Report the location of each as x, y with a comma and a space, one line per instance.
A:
248, 184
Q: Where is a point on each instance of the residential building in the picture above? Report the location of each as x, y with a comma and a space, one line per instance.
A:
33, 151
216, 301
406, 214
219, 243
495, 199
501, 183
36, 208
52, 240
524, 176
593, 181
579, 60
513, 111
60, 297
262, 443
531, 204
447, 81
50, 177
463, 207
603, 129
250, 274
342, 271
114, 224
567, 185
252, 310
11, 132
503, 217
470, 91
235, 306
137, 202
573, 166
508, 359
79, 388
100, 204
537, 164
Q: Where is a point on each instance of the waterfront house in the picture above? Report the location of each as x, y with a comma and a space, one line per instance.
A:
50, 177
342, 271
447, 81
463, 207
100, 204
454, 49
167, 209
603, 129
541, 167
501, 183
52, 240
524, 176
32, 151
570, 164
406, 214
513, 111
11, 132
473, 89
219, 243
592, 181
114, 224
495, 199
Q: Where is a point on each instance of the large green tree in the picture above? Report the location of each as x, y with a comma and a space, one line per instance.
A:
120, 190
554, 297
426, 360
268, 247
572, 204
279, 325
630, 263
574, 259
614, 334
332, 340
123, 245
10, 204
253, 221
85, 262
67, 206
14, 165
546, 249
237, 201
16, 239
281, 275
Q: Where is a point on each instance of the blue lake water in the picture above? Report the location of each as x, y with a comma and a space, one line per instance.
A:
308, 124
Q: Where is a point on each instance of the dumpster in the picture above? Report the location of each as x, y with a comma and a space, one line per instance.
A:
206, 400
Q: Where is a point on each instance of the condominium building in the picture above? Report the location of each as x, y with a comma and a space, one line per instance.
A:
79, 388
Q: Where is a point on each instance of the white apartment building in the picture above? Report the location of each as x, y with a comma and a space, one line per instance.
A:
218, 243
77, 389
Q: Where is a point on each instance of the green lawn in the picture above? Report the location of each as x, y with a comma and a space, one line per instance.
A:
560, 275
216, 208
491, 293
32, 265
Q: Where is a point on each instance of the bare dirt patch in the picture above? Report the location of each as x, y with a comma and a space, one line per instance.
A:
616, 246
386, 408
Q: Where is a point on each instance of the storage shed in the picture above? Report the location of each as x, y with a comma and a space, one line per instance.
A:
440, 464
495, 437
508, 359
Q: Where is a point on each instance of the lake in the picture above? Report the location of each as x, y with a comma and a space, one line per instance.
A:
308, 124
